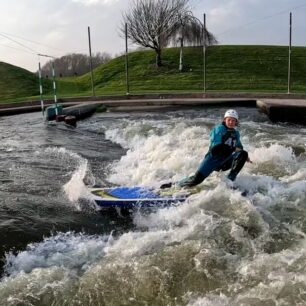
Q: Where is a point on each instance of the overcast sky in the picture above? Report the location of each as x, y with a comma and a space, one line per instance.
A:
58, 27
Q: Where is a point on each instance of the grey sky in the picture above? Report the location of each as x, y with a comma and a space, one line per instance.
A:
58, 27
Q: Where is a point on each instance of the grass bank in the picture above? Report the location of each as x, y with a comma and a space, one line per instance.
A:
228, 69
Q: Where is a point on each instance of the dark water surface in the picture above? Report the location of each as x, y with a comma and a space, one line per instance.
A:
218, 248
36, 160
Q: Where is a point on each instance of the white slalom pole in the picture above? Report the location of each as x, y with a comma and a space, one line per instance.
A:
40, 89
54, 88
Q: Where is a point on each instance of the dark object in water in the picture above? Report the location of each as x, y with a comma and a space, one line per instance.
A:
71, 120
53, 111
60, 118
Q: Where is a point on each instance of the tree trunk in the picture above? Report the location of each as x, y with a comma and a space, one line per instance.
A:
158, 58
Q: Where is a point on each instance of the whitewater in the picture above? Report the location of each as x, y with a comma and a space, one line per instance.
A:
216, 248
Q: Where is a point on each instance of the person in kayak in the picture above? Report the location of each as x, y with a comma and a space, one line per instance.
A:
225, 152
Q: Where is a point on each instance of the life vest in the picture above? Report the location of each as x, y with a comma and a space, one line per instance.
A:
230, 139
224, 141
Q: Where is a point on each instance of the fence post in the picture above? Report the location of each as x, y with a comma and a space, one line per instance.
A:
289, 55
126, 61
204, 53
90, 65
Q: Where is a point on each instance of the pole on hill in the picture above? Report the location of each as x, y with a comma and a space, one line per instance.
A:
126, 61
204, 53
40, 89
289, 55
90, 65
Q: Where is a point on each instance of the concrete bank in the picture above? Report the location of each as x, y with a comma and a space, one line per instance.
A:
15, 109
133, 104
284, 109
277, 110
178, 102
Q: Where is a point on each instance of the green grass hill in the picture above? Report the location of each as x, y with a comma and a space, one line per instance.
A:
228, 68
17, 83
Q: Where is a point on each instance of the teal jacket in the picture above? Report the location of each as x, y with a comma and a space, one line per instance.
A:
224, 141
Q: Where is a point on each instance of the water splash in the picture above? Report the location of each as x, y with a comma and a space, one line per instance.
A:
76, 188
74, 252
157, 158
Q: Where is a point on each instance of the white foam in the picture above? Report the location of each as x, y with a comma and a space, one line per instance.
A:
279, 276
275, 154
63, 153
157, 158
297, 176
210, 300
222, 236
70, 251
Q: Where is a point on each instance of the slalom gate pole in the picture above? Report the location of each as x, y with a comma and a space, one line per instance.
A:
40, 89
54, 88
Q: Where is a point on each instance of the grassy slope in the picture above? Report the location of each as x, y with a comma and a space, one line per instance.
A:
239, 68
17, 83
229, 68
12, 77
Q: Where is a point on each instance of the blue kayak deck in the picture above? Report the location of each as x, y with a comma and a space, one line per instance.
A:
131, 197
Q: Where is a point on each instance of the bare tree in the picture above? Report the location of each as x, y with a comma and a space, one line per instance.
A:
189, 31
151, 23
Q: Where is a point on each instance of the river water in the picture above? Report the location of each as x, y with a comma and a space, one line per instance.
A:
217, 248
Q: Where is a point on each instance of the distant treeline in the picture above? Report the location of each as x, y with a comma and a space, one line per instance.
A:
74, 64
